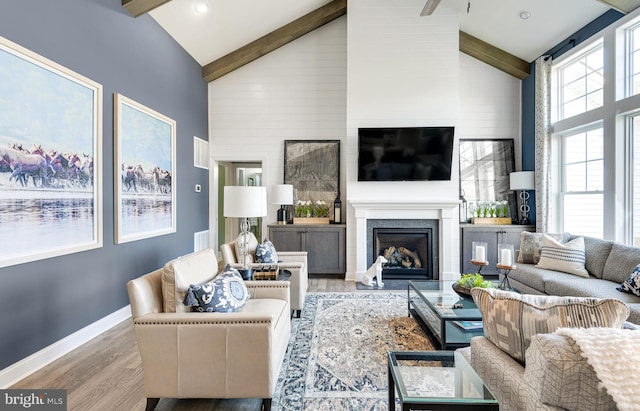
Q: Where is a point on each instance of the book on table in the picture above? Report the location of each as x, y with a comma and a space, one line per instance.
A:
469, 325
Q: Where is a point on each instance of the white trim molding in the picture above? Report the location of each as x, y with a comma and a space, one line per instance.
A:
18, 371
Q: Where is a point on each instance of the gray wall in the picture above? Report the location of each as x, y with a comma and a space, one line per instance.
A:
44, 301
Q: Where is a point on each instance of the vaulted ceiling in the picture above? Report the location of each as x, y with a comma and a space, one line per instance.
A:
235, 32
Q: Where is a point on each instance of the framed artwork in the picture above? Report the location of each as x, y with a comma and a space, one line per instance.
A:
313, 167
485, 166
145, 171
50, 158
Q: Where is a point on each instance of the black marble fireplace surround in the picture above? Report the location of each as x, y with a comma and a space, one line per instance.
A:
419, 236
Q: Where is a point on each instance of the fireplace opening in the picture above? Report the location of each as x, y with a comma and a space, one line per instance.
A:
409, 252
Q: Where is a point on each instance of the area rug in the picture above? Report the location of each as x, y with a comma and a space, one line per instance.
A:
337, 358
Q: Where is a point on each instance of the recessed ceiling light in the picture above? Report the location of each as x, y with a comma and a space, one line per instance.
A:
202, 7
525, 15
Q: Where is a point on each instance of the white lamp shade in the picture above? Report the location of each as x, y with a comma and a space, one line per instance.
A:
522, 180
245, 201
282, 194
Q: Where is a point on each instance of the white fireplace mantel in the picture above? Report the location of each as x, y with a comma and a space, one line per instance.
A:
443, 211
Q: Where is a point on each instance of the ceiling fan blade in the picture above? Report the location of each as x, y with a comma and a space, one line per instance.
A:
430, 7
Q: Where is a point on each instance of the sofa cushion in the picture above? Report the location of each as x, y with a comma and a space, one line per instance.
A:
587, 287
596, 251
266, 252
534, 277
226, 293
621, 262
531, 245
562, 377
568, 257
510, 319
251, 243
180, 273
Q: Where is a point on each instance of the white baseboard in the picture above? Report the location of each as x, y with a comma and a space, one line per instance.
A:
18, 371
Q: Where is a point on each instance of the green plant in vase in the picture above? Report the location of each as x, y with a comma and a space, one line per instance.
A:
469, 281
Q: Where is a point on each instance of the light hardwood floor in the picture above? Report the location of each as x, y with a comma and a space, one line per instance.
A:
105, 374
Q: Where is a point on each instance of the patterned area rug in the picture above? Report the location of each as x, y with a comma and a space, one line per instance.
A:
337, 358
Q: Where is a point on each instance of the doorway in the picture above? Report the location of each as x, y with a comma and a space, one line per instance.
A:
235, 174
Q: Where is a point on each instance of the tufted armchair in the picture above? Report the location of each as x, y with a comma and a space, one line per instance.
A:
208, 355
294, 261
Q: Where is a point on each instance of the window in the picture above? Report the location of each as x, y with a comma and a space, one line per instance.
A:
596, 135
633, 44
583, 182
581, 83
635, 176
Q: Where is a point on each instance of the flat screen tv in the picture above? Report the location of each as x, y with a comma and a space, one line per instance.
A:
405, 153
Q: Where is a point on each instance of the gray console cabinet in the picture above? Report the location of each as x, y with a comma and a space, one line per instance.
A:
492, 235
324, 244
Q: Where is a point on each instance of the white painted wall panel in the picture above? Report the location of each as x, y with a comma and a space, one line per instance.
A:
490, 103
297, 92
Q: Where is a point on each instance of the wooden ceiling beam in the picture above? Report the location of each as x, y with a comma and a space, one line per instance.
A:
139, 7
272, 41
494, 56
623, 6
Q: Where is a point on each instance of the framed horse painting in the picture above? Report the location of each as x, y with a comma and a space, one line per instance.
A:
145, 171
50, 158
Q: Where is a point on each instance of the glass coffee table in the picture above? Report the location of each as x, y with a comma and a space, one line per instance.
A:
449, 319
441, 380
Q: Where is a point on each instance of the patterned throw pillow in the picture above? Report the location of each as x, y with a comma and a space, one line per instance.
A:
266, 253
531, 245
569, 257
226, 293
632, 284
511, 319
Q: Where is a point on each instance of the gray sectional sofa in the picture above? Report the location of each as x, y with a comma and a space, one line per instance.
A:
608, 264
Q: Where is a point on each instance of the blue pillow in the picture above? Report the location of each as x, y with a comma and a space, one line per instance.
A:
266, 253
226, 293
632, 284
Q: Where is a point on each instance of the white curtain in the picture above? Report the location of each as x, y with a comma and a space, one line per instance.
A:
543, 144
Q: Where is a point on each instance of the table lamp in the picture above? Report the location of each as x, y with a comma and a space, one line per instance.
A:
282, 194
523, 181
245, 202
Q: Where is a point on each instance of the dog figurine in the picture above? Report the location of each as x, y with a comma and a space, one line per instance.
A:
375, 271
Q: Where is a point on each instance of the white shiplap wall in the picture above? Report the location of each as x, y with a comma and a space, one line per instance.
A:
399, 70
297, 92
490, 103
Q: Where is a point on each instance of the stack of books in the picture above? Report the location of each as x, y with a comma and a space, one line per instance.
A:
265, 272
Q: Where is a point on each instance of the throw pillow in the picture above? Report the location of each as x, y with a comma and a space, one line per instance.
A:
266, 252
511, 319
251, 244
632, 284
226, 293
178, 274
568, 257
531, 245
